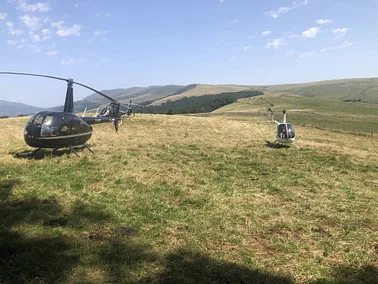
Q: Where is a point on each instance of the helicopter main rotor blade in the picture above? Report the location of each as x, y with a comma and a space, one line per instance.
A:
98, 92
36, 75
62, 79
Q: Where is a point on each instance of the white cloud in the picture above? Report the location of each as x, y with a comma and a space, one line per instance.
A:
46, 34
38, 7
290, 53
265, 33
100, 33
3, 16
71, 61
339, 32
307, 54
32, 22
311, 32
345, 44
15, 31
276, 14
323, 21
76, 5
51, 53
57, 24
11, 42
282, 10
72, 31
275, 43
107, 14
35, 37
221, 1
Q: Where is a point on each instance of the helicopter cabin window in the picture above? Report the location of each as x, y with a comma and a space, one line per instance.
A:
282, 131
50, 124
37, 119
70, 126
47, 129
290, 131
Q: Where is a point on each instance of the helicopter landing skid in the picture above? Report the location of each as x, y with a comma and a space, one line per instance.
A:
74, 151
90, 150
35, 151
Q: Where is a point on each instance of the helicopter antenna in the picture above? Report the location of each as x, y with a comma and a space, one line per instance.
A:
284, 115
85, 110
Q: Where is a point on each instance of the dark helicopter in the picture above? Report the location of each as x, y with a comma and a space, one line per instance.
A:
64, 129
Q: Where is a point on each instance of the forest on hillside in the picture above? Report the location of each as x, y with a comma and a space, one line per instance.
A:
201, 104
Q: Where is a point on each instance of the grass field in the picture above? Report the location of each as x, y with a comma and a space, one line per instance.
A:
343, 116
182, 199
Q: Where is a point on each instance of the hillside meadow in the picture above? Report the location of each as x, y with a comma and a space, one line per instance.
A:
364, 89
190, 199
356, 118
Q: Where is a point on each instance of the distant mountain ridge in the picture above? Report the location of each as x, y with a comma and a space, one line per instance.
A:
14, 109
363, 89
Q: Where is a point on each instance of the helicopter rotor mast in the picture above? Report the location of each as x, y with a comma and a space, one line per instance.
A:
68, 103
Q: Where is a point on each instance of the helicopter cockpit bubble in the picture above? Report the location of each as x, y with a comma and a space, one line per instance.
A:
285, 131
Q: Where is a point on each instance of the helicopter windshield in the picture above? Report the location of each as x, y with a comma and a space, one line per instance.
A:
48, 126
290, 131
37, 118
286, 131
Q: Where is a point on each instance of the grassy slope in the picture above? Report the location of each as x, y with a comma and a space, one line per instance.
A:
360, 117
210, 201
365, 89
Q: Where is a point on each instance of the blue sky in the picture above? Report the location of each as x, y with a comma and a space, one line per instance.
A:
125, 43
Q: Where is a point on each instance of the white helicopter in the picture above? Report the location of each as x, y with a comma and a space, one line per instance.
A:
285, 131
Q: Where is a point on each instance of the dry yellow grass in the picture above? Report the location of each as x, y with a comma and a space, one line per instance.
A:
211, 184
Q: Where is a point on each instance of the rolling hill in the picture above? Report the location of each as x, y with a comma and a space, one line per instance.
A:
364, 89
14, 109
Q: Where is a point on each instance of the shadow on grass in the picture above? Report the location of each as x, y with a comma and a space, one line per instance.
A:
276, 145
31, 251
346, 274
122, 259
185, 266
46, 152
36, 247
